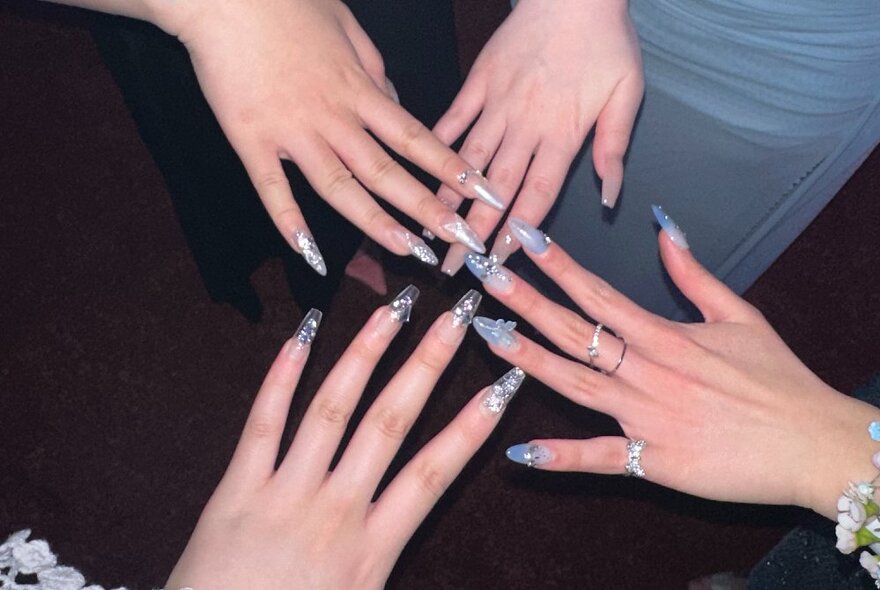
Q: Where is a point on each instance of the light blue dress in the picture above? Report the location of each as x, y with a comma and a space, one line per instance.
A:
755, 114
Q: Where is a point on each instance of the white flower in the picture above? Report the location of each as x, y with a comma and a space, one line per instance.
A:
851, 514
34, 557
869, 562
61, 578
846, 540
11, 543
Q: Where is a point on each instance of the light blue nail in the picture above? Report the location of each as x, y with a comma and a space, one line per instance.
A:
529, 455
670, 227
874, 430
495, 332
531, 238
488, 271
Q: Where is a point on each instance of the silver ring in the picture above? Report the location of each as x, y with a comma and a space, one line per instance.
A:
620, 360
593, 348
463, 177
633, 461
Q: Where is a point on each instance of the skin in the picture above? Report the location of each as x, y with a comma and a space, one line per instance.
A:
553, 71
301, 525
300, 80
728, 411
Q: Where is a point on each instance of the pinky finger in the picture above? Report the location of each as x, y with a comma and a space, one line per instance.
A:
613, 130
604, 454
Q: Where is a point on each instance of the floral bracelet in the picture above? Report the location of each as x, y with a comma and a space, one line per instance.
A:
858, 518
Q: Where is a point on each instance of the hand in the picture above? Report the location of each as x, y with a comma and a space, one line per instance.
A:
303, 526
727, 410
548, 74
300, 80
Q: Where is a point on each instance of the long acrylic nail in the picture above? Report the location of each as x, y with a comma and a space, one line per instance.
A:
454, 259
670, 227
416, 246
496, 332
491, 274
503, 390
529, 455
531, 238
463, 312
475, 180
305, 333
462, 232
504, 246
305, 245
401, 306
612, 182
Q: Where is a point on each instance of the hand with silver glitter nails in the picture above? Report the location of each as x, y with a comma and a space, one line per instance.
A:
720, 409
310, 527
300, 80
552, 72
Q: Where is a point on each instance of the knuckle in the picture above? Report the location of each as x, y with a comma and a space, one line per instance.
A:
431, 479
391, 424
542, 188
409, 135
262, 430
585, 386
338, 180
477, 151
382, 167
333, 413
504, 176
271, 181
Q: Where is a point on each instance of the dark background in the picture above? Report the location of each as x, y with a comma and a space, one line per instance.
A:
123, 387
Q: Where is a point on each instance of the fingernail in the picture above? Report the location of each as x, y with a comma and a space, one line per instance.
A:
529, 455
305, 245
496, 332
485, 269
463, 311
503, 390
462, 232
612, 182
416, 246
502, 248
531, 238
305, 333
454, 260
475, 180
392, 91
401, 306
670, 227
427, 234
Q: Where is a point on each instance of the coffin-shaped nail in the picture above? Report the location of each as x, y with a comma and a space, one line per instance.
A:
504, 246
401, 306
670, 227
496, 332
488, 272
531, 238
463, 312
481, 188
529, 455
503, 390
305, 245
462, 232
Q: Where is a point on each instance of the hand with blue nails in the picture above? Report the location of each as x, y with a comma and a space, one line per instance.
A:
304, 522
551, 73
725, 409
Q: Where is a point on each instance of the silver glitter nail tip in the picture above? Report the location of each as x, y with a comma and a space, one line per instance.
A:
464, 310
420, 250
401, 306
503, 390
308, 328
308, 249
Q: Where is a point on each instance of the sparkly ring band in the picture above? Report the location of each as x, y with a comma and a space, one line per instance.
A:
593, 348
633, 461
619, 360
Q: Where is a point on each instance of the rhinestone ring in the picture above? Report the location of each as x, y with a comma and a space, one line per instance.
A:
633, 462
593, 348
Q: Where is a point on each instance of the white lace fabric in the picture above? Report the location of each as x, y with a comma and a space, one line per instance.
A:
20, 557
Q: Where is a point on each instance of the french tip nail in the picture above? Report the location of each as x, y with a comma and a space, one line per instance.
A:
401, 306
495, 332
503, 390
676, 235
307, 247
463, 311
528, 454
308, 328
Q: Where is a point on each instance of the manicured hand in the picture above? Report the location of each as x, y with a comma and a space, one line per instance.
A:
726, 409
553, 71
302, 526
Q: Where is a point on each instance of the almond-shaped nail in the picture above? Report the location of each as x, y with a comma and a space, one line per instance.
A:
670, 227
401, 306
531, 238
503, 390
496, 332
529, 455
462, 232
474, 180
488, 272
463, 312
416, 246
304, 244
306, 332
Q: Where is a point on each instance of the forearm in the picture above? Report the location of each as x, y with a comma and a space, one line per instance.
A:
166, 14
